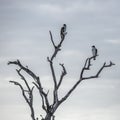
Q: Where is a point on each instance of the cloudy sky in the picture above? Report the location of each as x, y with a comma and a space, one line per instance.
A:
24, 35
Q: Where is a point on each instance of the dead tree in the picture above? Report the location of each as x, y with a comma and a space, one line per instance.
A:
46, 106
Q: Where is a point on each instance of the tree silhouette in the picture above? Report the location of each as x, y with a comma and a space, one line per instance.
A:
27, 90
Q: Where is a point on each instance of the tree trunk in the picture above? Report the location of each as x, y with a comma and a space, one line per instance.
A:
48, 116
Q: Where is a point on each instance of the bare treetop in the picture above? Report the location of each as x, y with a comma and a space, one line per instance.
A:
46, 106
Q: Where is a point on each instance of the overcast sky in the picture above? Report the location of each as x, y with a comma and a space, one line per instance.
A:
24, 35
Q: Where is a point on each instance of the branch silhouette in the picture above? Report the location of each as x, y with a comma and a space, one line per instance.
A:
48, 107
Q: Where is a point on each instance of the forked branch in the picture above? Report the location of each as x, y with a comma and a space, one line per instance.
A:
86, 67
28, 71
28, 99
62, 75
37, 83
57, 48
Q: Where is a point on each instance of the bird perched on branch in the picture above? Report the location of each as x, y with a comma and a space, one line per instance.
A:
63, 31
94, 52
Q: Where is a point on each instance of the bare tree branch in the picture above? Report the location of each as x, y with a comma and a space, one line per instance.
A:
23, 78
28, 100
18, 63
54, 80
23, 91
57, 48
53, 72
52, 39
99, 71
86, 67
45, 102
37, 83
62, 75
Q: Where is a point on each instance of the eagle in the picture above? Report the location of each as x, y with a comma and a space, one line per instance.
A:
63, 31
94, 52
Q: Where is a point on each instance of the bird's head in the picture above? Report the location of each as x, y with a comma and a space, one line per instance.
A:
64, 25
